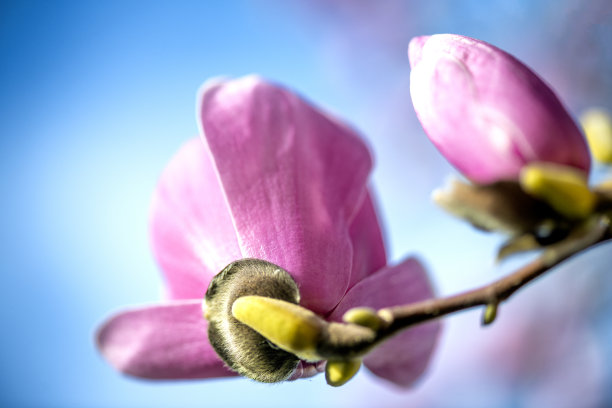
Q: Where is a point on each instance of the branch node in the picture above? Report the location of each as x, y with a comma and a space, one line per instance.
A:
387, 316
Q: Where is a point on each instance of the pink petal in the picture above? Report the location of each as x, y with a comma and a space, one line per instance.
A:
403, 358
161, 342
191, 230
294, 179
368, 247
307, 370
486, 111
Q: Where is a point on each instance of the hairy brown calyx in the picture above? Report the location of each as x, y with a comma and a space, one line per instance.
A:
240, 347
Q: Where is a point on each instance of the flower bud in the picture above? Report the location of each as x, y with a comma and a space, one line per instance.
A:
488, 113
338, 373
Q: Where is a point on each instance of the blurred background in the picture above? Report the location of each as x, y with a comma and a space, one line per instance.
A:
95, 97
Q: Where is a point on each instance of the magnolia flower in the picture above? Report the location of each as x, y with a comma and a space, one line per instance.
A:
487, 112
271, 178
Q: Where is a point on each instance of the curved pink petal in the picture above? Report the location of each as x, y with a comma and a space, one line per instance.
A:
294, 179
486, 111
191, 230
403, 358
369, 253
161, 342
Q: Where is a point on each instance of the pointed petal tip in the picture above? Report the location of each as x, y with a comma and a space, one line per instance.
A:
245, 83
415, 48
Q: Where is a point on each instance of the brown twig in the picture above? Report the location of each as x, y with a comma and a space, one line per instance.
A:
351, 340
401, 317
341, 342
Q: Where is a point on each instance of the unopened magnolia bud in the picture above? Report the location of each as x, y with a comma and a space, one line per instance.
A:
487, 112
242, 348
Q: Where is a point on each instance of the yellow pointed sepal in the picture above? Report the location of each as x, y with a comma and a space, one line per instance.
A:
338, 373
597, 126
288, 326
490, 313
564, 188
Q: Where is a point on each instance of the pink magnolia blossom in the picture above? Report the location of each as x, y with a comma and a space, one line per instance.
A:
271, 178
487, 112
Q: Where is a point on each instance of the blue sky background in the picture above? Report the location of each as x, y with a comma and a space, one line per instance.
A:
95, 97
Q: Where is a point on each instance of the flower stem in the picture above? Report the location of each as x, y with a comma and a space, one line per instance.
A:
399, 318
299, 331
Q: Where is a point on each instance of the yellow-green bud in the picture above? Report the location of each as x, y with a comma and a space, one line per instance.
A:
289, 326
597, 126
490, 313
363, 316
564, 188
338, 373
